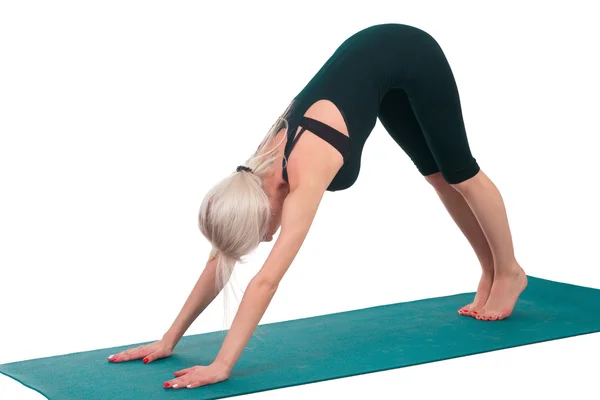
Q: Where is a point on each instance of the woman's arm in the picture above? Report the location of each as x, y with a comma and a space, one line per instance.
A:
203, 293
299, 209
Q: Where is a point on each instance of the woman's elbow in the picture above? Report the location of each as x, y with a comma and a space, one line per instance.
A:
264, 282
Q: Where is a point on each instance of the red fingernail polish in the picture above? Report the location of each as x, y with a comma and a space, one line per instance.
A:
146, 360
167, 384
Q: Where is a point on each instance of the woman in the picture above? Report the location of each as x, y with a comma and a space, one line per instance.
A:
393, 72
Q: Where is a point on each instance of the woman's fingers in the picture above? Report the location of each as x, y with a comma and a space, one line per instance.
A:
178, 383
128, 355
155, 356
148, 353
184, 371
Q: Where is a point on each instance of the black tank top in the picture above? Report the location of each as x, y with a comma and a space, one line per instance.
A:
356, 78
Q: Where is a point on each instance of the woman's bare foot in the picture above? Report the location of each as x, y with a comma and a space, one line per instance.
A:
505, 292
483, 292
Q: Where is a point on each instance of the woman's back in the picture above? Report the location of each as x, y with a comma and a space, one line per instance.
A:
356, 78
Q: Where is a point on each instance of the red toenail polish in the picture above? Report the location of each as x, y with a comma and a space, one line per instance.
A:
146, 360
167, 384
474, 312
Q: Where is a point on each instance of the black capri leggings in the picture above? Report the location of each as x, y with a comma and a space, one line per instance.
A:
425, 119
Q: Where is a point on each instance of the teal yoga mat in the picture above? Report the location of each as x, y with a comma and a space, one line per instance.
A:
325, 347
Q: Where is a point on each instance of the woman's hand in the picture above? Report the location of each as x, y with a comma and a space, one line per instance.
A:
199, 376
149, 352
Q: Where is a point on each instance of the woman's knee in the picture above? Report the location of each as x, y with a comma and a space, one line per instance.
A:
460, 182
466, 184
462, 178
438, 181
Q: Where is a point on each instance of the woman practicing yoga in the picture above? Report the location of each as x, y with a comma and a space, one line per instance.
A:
393, 72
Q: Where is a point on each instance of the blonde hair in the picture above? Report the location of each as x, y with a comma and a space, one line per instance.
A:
235, 213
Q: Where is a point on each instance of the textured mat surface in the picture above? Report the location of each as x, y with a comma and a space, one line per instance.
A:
324, 347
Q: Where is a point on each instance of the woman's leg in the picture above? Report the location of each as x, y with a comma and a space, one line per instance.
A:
462, 215
397, 117
485, 200
434, 97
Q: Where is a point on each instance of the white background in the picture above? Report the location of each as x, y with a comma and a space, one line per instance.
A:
116, 117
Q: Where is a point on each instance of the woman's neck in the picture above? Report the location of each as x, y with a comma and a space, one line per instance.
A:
275, 186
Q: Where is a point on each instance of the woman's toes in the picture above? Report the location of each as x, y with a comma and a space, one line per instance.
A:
503, 315
492, 316
465, 310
